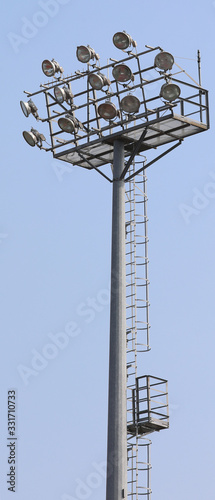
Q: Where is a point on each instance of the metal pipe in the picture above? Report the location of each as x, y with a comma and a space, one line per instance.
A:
117, 414
50, 122
200, 82
199, 67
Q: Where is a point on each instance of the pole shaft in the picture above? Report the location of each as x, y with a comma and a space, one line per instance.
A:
117, 407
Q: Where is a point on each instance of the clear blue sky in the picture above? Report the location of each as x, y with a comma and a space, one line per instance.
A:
55, 263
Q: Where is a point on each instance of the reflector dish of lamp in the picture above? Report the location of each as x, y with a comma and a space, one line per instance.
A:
164, 60
68, 124
107, 110
84, 54
122, 40
28, 108
130, 104
170, 91
97, 81
51, 67
62, 94
33, 138
122, 73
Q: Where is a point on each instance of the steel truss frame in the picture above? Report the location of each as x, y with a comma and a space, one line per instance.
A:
155, 124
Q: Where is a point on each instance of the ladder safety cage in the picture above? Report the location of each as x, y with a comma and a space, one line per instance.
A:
137, 283
139, 468
147, 396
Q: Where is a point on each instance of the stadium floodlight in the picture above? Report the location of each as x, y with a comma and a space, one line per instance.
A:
68, 124
33, 138
62, 94
29, 108
117, 129
122, 40
107, 110
98, 80
122, 73
164, 60
170, 91
51, 67
130, 104
85, 53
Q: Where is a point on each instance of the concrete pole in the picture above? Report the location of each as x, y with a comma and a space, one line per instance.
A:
117, 405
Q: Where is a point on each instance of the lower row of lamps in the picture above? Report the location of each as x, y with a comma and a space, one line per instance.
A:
107, 110
130, 104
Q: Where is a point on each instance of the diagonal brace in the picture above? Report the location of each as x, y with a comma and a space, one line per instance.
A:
94, 168
136, 149
153, 161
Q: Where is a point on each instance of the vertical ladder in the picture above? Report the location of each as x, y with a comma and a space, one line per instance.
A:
137, 326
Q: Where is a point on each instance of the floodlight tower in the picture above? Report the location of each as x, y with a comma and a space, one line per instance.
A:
94, 121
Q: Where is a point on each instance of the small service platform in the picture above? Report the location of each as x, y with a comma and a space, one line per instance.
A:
151, 425
150, 410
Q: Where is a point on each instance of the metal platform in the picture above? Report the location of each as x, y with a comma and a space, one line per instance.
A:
150, 425
169, 128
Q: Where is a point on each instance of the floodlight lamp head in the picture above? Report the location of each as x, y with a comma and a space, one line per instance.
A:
122, 73
170, 91
68, 124
122, 40
34, 138
29, 108
51, 67
85, 53
107, 110
164, 61
130, 104
62, 94
98, 80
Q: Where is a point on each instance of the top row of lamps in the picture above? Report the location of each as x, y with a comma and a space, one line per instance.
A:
121, 40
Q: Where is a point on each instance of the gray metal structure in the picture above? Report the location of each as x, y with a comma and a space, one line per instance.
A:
117, 422
138, 404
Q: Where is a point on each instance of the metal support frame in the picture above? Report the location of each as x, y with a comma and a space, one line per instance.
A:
83, 149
